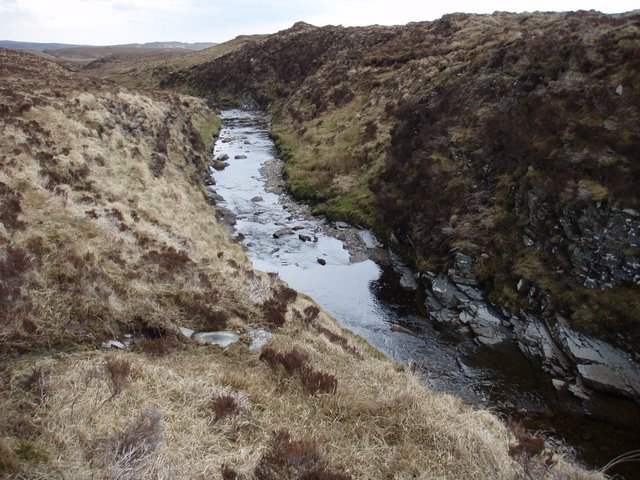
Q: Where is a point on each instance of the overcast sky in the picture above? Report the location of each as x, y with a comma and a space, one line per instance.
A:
109, 22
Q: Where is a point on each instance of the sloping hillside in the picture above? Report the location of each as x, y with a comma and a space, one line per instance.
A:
511, 138
147, 67
106, 235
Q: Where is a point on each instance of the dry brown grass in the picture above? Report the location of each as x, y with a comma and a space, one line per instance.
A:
226, 407
96, 239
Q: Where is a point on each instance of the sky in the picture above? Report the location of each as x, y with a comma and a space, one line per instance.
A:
113, 22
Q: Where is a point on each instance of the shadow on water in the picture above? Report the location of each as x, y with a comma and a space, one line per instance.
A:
369, 300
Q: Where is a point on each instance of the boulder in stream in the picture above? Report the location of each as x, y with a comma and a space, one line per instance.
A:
212, 197
218, 165
282, 232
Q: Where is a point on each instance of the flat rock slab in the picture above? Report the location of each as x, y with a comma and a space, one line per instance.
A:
447, 292
600, 365
259, 338
187, 332
113, 344
369, 239
223, 339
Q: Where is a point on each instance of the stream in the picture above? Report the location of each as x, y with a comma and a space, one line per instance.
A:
368, 298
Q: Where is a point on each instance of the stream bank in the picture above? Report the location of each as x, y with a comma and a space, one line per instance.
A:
448, 334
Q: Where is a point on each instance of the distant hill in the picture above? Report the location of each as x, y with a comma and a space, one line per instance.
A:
41, 47
75, 57
147, 67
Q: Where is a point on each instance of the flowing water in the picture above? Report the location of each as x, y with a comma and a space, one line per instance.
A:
369, 300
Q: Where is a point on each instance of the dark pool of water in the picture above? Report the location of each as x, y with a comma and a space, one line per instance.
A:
368, 300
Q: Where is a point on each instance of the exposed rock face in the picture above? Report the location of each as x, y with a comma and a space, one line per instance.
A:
601, 366
564, 353
452, 298
603, 244
536, 341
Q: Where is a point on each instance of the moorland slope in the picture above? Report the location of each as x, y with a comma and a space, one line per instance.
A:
106, 234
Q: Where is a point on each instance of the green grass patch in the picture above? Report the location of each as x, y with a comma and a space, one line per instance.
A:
209, 129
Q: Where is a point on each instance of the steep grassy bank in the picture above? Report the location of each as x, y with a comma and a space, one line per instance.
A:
469, 134
105, 231
103, 219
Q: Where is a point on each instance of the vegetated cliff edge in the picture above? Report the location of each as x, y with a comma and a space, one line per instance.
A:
105, 233
510, 138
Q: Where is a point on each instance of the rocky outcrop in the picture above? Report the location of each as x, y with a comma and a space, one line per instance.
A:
453, 298
602, 242
574, 361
